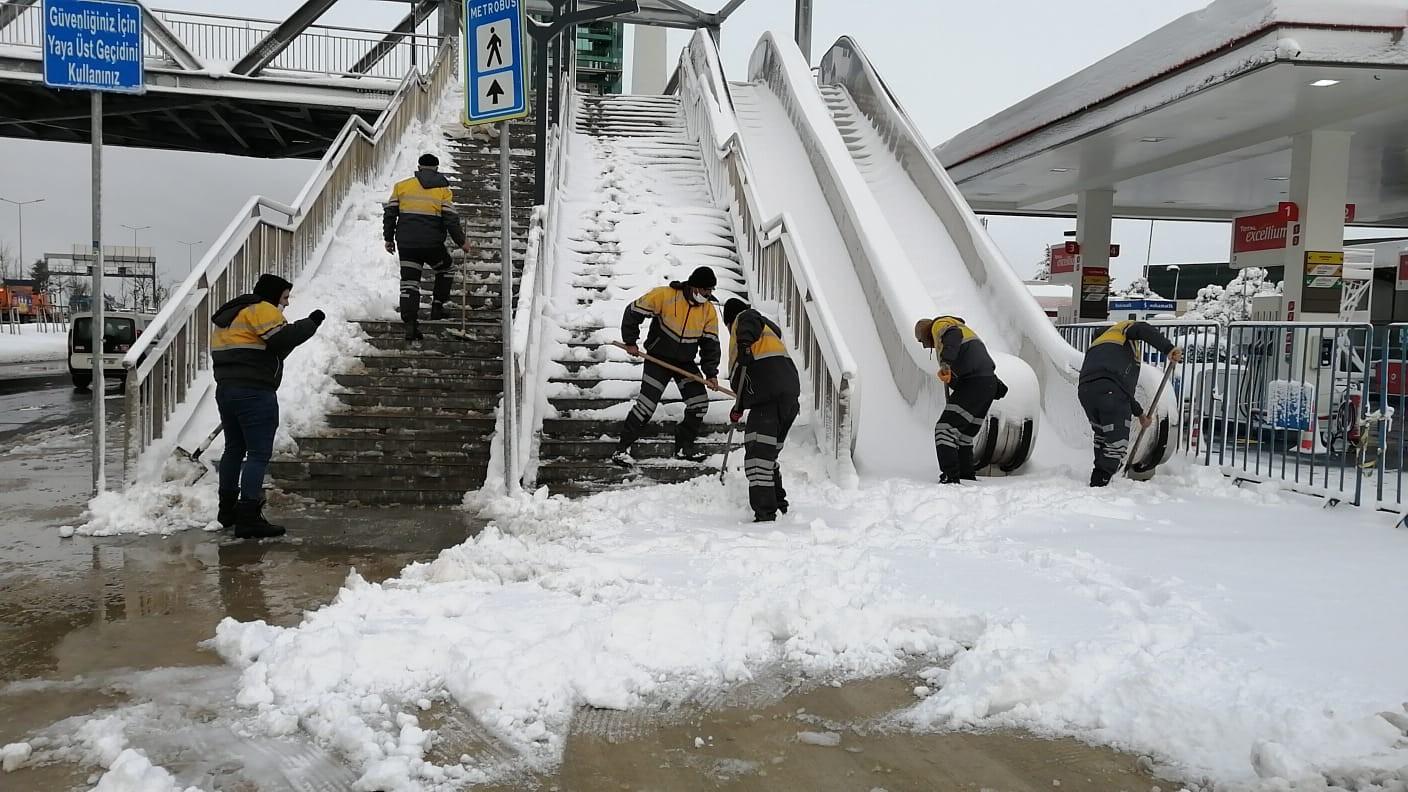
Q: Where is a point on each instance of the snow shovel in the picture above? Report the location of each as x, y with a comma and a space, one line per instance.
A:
680, 371
728, 448
194, 456
1128, 465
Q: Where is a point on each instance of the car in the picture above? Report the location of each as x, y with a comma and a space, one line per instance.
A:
121, 329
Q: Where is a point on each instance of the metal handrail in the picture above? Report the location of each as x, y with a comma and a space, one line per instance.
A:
171, 359
777, 265
539, 269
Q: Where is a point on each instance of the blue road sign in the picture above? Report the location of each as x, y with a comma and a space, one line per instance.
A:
93, 45
495, 69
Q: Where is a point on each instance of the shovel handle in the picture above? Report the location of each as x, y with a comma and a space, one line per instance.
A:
1158, 394
680, 371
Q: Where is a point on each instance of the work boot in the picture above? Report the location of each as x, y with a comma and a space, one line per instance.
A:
413, 333
250, 523
1100, 478
623, 458
690, 453
437, 311
783, 505
967, 471
950, 478
765, 517
229, 511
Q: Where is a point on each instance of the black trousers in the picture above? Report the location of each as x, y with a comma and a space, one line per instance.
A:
969, 400
652, 385
413, 263
1109, 412
767, 428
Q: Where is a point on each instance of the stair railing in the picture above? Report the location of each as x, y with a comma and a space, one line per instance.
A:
776, 262
539, 267
168, 369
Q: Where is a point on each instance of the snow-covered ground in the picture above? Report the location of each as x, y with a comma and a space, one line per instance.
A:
1234, 634
31, 345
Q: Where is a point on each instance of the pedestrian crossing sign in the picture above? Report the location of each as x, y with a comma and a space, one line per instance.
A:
495, 78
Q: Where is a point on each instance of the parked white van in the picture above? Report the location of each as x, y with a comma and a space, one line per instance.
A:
120, 331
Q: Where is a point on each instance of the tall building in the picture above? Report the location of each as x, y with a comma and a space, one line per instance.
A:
601, 57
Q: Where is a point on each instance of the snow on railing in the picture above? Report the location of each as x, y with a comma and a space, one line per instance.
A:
776, 263
167, 367
539, 266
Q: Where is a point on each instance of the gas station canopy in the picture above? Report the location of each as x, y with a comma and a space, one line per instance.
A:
1196, 120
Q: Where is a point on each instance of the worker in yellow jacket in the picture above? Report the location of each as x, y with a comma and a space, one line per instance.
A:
765, 379
970, 379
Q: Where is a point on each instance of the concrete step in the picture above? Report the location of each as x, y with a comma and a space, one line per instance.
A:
581, 478
440, 382
440, 354
456, 477
569, 452
477, 403
578, 403
353, 494
368, 448
407, 423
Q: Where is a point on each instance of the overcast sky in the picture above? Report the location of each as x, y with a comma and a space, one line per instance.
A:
952, 65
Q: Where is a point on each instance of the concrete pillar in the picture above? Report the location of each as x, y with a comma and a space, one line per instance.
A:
803, 29
1319, 188
648, 68
1094, 216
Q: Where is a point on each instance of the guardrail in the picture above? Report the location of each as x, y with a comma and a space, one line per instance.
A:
538, 273
167, 360
221, 40
776, 260
1314, 406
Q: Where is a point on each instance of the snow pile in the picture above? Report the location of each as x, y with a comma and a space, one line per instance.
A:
1194, 627
162, 508
131, 771
1234, 302
31, 345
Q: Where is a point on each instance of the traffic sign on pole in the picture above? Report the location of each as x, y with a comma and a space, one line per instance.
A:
495, 76
93, 45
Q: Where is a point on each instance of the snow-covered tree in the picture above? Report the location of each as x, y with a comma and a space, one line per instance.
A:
1138, 289
1043, 271
1234, 302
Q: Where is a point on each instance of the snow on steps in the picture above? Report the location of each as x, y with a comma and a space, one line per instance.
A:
645, 217
416, 422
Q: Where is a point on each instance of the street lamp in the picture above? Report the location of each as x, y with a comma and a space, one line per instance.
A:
19, 209
1177, 273
134, 230
190, 253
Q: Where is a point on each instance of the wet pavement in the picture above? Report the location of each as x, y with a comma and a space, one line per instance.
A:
89, 627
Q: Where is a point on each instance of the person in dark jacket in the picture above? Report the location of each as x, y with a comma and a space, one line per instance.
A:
684, 324
1108, 379
247, 350
415, 221
970, 379
765, 379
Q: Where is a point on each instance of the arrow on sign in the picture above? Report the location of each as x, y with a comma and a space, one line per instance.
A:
495, 91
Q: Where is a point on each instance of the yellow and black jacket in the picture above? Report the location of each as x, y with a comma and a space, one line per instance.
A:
680, 328
251, 340
1113, 358
421, 211
756, 350
960, 347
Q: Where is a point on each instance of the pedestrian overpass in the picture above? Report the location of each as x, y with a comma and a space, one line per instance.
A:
228, 85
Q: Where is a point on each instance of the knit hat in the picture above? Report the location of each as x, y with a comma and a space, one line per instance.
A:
702, 278
429, 161
732, 309
923, 332
271, 287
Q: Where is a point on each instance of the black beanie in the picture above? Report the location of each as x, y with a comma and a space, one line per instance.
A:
702, 278
429, 161
732, 309
271, 287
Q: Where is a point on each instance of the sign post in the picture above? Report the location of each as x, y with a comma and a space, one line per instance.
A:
495, 92
96, 46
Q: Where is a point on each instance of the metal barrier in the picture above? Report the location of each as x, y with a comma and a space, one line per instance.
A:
775, 261
537, 277
222, 40
168, 358
1311, 405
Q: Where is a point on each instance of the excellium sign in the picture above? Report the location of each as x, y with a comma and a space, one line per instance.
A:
1260, 240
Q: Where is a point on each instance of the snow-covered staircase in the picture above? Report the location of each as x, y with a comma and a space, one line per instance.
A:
645, 217
416, 421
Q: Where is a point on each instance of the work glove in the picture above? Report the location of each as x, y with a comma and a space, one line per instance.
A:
735, 415
390, 247
317, 317
945, 374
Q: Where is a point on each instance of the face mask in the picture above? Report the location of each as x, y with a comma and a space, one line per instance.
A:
695, 297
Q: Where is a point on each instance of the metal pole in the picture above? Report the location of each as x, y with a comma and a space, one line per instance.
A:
98, 384
506, 288
804, 29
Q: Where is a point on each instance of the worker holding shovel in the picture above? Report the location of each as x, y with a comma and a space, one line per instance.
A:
765, 379
1108, 379
684, 326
